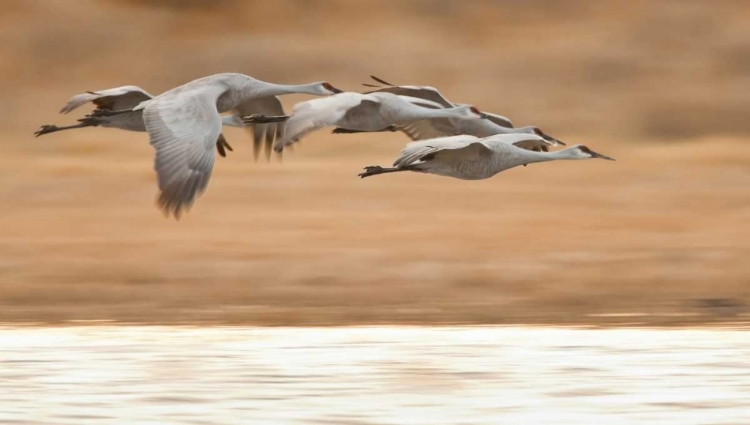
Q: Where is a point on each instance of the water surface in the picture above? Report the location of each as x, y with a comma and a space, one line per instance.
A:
373, 375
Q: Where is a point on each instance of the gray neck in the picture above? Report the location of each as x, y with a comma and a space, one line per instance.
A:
272, 89
531, 156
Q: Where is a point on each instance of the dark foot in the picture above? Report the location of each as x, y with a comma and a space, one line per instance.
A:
222, 146
264, 119
100, 113
340, 130
371, 171
46, 129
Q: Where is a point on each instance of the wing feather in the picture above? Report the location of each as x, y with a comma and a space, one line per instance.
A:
421, 92
183, 127
499, 120
114, 99
414, 152
429, 129
315, 114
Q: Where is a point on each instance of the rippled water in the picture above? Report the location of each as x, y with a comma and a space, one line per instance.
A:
381, 375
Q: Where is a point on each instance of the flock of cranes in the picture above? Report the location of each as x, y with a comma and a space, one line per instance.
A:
184, 126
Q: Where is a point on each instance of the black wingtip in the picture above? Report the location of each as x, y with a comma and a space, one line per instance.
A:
381, 81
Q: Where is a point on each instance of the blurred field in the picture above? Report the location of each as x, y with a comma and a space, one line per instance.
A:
658, 237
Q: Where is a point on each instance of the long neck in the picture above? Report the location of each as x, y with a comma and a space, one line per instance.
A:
509, 156
532, 156
272, 89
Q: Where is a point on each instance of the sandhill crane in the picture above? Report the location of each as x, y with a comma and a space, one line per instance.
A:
184, 122
429, 129
471, 158
122, 98
356, 112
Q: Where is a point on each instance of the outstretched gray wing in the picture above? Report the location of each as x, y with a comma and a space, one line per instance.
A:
115, 99
183, 127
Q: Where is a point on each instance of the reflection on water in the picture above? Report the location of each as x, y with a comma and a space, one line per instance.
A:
383, 375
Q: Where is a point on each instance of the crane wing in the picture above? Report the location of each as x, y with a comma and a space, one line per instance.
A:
537, 145
432, 94
115, 99
183, 127
499, 120
421, 92
495, 118
463, 146
429, 129
315, 114
525, 141
269, 132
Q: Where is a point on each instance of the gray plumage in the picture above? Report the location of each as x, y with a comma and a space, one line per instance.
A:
184, 122
433, 128
357, 112
471, 158
121, 98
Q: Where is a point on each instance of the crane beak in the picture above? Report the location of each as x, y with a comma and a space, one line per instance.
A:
335, 90
483, 115
600, 156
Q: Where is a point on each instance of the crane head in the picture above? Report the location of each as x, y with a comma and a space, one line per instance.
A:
584, 153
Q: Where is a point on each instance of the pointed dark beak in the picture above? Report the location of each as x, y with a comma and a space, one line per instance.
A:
335, 90
598, 155
484, 116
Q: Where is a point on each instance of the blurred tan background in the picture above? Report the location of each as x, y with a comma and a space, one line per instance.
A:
658, 237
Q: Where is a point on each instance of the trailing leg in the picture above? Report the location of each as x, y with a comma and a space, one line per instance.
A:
376, 169
340, 130
84, 122
96, 113
264, 119
222, 145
